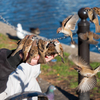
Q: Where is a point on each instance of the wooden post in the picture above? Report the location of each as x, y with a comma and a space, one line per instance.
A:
83, 47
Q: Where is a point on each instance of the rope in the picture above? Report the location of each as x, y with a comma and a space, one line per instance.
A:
36, 37
28, 33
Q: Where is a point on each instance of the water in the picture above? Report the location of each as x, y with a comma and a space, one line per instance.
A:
45, 14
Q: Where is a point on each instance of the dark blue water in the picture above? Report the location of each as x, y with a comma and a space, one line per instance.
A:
44, 14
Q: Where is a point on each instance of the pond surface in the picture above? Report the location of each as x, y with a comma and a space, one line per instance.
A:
45, 14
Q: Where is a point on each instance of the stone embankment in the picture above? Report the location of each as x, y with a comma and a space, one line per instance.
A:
8, 30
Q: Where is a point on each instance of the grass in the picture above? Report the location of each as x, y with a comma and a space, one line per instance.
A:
5, 42
59, 72
63, 71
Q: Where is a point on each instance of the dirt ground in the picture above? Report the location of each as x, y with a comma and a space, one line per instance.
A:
65, 86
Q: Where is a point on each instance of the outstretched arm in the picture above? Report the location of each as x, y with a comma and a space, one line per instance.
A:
34, 61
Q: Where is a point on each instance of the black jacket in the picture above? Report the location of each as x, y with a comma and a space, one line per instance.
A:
8, 64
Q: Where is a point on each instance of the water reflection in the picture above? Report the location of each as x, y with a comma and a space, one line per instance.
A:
44, 14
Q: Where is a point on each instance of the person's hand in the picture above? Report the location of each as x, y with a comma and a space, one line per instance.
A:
49, 58
34, 61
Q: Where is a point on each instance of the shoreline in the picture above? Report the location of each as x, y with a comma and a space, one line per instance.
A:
6, 29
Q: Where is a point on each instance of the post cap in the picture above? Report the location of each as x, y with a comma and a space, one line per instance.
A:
82, 13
